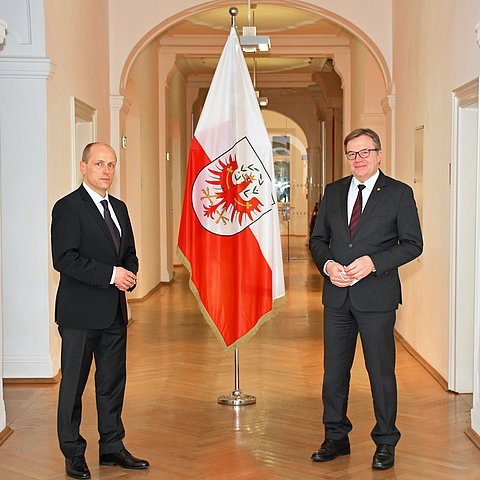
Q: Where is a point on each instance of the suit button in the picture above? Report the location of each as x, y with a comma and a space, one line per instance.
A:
350, 245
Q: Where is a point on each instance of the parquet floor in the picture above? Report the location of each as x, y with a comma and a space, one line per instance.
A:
176, 371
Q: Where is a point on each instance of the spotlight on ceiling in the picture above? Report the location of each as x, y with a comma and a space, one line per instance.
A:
262, 101
251, 42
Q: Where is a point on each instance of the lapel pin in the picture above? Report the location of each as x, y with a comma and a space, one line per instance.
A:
378, 189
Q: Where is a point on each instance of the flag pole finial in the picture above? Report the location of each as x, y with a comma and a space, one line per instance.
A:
233, 12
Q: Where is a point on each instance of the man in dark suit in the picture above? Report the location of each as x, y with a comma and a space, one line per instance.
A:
367, 226
93, 249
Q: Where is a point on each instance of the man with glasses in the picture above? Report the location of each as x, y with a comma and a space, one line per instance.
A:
367, 226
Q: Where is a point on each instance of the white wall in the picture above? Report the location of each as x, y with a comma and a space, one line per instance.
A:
3, 416
24, 69
77, 43
425, 78
142, 167
36, 153
368, 93
177, 147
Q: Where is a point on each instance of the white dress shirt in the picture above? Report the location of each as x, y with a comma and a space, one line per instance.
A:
97, 198
352, 196
353, 192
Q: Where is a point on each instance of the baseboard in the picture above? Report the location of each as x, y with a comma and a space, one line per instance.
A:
474, 437
29, 365
443, 383
44, 381
150, 293
4, 434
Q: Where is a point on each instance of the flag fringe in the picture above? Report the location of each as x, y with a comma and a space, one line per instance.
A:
245, 338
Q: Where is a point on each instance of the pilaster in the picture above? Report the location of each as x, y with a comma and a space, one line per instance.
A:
166, 62
119, 108
25, 218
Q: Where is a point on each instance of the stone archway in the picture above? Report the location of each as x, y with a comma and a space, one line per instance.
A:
168, 60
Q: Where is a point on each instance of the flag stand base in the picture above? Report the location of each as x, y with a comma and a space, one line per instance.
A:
237, 398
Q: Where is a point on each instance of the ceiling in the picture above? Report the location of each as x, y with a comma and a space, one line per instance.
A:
268, 18
279, 22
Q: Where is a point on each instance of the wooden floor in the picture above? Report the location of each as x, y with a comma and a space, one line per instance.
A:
176, 371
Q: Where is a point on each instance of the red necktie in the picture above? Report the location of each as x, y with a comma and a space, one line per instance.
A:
357, 210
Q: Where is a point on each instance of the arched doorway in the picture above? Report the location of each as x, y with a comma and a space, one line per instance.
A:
182, 52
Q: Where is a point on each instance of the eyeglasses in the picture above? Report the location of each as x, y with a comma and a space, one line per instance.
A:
365, 153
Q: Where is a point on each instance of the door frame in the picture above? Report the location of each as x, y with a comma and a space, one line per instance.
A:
462, 327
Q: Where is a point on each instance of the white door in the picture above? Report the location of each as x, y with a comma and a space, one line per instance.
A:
464, 237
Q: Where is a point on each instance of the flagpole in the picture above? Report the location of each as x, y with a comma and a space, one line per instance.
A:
237, 397
233, 12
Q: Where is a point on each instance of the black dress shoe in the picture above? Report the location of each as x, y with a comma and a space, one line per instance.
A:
123, 459
384, 457
331, 449
76, 467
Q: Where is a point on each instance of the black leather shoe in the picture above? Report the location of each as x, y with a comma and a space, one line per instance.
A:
76, 467
331, 449
123, 459
384, 457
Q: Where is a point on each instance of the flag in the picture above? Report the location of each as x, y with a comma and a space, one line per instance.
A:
229, 236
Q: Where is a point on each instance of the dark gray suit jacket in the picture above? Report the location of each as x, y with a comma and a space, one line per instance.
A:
388, 231
84, 253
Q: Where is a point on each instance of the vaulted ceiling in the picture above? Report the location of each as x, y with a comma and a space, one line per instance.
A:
297, 37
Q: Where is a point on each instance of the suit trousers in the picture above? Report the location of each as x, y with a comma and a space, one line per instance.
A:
341, 328
108, 348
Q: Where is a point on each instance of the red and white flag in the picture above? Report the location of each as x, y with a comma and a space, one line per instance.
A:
229, 235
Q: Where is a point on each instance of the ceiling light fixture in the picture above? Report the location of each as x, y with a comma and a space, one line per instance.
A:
262, 101
249, 40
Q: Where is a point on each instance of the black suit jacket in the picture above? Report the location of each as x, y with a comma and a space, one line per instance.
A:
84, 253
388, 231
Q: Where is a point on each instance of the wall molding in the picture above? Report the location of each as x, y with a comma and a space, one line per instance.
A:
442, 381
473, 436
33, 380
150, 293
31, 366
4, 434
26, 67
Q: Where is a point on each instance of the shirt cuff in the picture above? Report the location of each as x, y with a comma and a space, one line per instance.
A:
112, 280
325, 267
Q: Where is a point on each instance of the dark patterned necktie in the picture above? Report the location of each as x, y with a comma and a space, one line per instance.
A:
357, 210
111, 225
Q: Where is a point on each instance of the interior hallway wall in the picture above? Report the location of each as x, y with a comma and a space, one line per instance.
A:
178, 144
24, 70
142, 159
77, 43
3, 415
435, 52
368, 93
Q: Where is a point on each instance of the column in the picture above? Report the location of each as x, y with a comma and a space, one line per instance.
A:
25, 219
475, 413
3, 417
341, 63
315, 169
119, 108
166, 62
